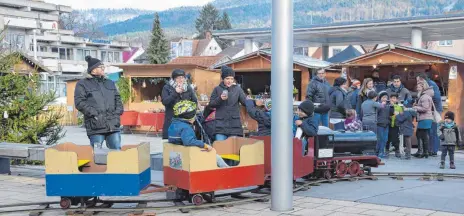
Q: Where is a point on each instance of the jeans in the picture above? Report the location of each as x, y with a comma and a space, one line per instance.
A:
339, 126
113, 140
423, 137
322, 118
304, 144
382, 136
445, 150
434, 143
220, 137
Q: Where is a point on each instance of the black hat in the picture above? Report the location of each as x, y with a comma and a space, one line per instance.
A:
177, 73
307, 107
449, 115
92, 63
227, 72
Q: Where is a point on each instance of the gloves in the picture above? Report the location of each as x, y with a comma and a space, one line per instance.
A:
442, 137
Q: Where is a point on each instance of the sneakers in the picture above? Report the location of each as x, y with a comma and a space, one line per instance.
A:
397, 154
452, 166
442, 165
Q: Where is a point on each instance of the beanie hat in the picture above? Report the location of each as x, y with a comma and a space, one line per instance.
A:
267, 105
383, 93
307, 107
449, 115
339, 81
227, 72
356, 83
177, 73
92, 63
185, 109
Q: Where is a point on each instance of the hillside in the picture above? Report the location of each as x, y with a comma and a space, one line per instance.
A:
257, 13
108, 16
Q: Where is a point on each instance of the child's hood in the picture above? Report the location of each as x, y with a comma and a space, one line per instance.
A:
381, 94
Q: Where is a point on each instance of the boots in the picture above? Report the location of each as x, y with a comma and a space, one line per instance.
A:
419, 149
452, 166
442, 165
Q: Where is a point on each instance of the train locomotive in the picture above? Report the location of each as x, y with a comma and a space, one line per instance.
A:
191, 174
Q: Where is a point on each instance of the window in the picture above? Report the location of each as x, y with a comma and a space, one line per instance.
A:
445, 43
103, 56
300, 51
86, 53
63, 53
54, 49
117, 58
336, 51
70, 53
80, 55
110, 56
43, 49
93, 53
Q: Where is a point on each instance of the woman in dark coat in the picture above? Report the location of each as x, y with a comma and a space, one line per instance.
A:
175, 90
225, 98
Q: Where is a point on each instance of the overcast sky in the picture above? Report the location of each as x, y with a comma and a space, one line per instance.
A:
141, 4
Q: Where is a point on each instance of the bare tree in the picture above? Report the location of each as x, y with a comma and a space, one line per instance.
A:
81, 25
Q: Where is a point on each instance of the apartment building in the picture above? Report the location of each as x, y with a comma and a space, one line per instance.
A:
32, 28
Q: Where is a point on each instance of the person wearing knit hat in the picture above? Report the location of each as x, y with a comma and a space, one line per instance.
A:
99, 100
181, 131
352, 95
263, 117
308, 123
450, 137
175, 90
227, 98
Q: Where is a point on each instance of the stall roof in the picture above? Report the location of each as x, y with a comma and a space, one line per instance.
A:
349, 53
301, 60
445, 57
204, 61
181, 66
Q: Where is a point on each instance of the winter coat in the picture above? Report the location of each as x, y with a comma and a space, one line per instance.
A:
384, 113
404, 121
353, 98
379, 84
99, 100
449, 135
228, 112
169, 98
339, 103
318, 92
424, 105
436, 95
403, 94
262, 117
310, 126
369, 111
361, 98
181, 132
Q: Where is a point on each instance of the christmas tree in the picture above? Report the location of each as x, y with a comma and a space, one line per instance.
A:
24, 108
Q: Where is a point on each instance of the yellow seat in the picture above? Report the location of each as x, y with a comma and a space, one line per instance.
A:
231, 157
81, 163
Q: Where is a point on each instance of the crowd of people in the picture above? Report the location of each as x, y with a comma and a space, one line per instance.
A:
387, 110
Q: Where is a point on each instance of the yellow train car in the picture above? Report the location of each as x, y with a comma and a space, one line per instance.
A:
70, 172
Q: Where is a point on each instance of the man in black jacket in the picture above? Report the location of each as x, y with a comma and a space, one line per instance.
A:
318, 93
99, 100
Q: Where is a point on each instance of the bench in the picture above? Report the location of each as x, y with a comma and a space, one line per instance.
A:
19, 151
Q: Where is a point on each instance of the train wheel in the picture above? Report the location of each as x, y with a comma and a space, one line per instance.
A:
327, 174
65, 203
197, 199
354, 168
341, 169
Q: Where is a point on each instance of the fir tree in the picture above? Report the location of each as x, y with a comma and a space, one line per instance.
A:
158, 50
208, 20
225, 22
29, 120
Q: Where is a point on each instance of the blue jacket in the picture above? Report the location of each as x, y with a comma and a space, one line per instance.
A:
353, 98
404, 121
262, 117
310, 126
339, 102
436, 95
181, 132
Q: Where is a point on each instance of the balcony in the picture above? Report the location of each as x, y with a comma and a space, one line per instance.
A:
44, 54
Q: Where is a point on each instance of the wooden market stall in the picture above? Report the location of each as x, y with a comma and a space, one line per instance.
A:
253, 72
446, 70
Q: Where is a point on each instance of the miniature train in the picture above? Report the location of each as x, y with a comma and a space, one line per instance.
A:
190, 173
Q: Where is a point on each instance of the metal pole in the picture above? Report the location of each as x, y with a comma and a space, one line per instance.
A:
282, 113
35, 44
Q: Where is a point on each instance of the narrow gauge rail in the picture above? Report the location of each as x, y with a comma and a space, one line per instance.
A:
242, 199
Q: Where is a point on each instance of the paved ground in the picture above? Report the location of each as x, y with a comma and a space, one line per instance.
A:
376, 198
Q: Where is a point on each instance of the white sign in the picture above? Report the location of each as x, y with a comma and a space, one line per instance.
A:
453, 73
70, 108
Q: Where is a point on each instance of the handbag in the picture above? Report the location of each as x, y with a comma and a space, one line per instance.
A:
436, 114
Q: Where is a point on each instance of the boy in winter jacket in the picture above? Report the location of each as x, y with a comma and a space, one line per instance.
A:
181, 132
307, 122
263, 117
406, 128
393, 130
383, 122
351, 122
450, 137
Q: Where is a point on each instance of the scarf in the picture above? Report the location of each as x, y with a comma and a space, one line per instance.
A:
175, 85
449, 125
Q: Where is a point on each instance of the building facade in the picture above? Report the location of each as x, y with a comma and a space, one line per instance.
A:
32, 27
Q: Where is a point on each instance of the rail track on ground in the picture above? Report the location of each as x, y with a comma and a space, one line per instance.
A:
257, 194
